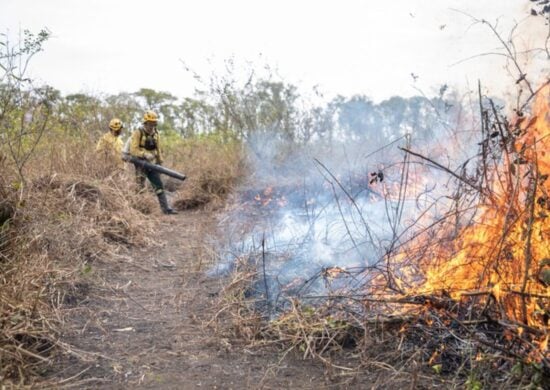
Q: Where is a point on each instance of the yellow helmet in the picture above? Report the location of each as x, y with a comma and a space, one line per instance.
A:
115, 124
150, 116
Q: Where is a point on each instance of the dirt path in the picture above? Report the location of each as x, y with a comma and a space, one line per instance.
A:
142, 324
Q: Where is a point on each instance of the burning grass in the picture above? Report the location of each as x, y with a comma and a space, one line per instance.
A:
430, 340
463, 302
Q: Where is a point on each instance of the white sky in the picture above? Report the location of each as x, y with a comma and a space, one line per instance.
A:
343, 46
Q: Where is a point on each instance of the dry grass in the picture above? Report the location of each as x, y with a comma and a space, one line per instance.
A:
213, 170
349, 350
425, 347
60, 224
64, 226
72, 212
434, 337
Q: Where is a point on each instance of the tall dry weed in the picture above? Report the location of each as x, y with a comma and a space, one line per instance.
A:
213, 169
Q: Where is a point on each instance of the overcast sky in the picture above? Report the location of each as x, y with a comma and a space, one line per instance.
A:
343, 46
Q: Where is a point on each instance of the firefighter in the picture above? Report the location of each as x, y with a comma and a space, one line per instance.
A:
109, 146
144, 144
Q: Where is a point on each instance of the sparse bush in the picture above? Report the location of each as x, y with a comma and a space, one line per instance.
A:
213, 168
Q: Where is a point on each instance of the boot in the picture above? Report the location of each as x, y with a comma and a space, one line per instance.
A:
166, 209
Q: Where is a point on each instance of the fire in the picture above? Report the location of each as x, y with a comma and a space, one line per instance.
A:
544, 344
505, 251
269, 195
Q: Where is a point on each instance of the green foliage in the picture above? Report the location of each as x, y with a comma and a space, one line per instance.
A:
196, 117
86, 269
155, 100
126, 107
160, 102
263, 107
472, 383
437, 368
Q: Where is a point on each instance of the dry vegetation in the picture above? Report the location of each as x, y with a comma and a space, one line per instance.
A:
71, 212
462, 304
213, 168
62, 212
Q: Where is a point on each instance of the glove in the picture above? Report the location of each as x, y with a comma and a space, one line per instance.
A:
149, 156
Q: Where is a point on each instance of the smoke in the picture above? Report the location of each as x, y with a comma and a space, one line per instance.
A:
317, 212
310, 209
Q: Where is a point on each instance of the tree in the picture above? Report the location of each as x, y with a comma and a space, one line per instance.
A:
126, 107
359, 119
195, 116
160, 102
25, 110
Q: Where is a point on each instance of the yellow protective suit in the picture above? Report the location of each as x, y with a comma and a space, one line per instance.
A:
138, 145
109, 147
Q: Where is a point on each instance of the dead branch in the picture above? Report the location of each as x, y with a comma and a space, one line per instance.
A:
445, 169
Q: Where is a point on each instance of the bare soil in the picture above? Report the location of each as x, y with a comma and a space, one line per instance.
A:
141, 323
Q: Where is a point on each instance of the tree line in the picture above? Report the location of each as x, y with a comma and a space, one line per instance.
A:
225, 108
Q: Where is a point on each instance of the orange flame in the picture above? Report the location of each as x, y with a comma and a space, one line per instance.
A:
505, 251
